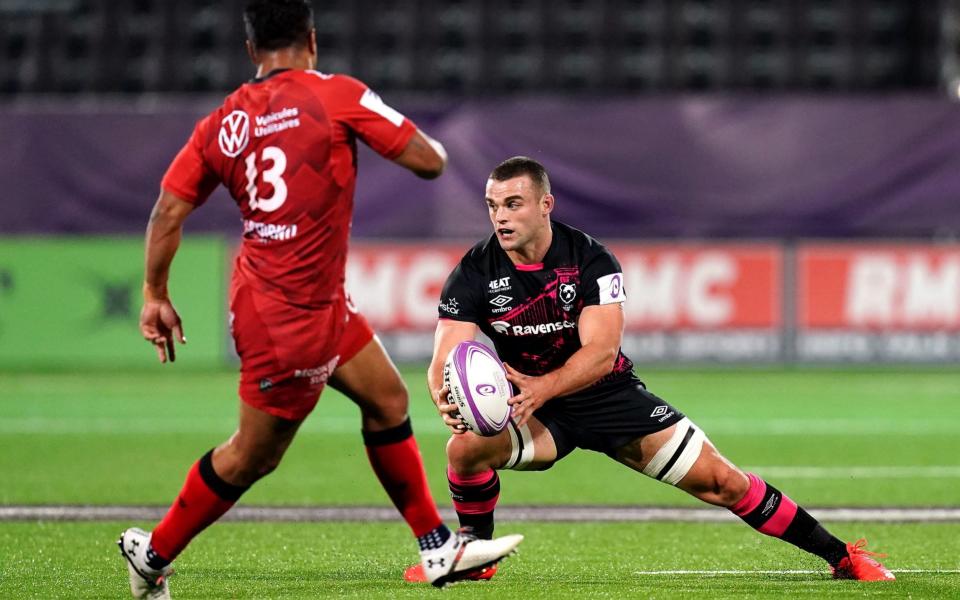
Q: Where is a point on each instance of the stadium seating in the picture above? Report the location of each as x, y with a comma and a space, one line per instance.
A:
494, 46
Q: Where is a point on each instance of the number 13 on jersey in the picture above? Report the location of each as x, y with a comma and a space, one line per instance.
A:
272, 175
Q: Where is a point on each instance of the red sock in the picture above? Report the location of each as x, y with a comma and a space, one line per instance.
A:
202, 500
396, 460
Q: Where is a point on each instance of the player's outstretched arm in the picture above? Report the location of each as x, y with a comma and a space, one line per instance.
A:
423, 155
159, 322
449, 333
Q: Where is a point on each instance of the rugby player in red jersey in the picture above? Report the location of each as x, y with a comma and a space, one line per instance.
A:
284, 145
550, 298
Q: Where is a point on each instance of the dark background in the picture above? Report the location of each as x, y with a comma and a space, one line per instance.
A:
656, 119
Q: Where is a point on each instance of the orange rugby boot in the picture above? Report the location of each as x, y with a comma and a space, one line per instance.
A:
414, 574
859, 564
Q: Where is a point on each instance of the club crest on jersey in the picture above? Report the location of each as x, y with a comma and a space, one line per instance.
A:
567, 292
567, 280
234, 133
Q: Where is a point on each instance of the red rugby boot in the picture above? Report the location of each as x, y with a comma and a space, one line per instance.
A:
859, 565
414, 574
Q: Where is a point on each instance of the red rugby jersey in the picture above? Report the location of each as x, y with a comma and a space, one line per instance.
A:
285, 148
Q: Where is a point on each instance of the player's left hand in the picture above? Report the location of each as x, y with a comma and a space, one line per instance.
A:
532, 393
160, 325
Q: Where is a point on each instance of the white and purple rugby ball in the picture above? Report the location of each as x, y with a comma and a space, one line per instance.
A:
478, 385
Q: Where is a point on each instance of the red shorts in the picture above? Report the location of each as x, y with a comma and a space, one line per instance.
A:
287, 353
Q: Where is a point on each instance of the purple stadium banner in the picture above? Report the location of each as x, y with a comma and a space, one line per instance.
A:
686, 166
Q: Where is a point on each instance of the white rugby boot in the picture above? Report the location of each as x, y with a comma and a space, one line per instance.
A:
463, 555
146, 583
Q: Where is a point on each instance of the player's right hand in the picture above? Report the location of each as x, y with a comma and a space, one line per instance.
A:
160, 325
448, 411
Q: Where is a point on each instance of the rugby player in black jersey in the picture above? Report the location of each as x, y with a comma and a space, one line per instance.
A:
551, 299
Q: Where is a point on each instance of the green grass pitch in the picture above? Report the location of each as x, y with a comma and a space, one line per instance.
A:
318, 560
872, 437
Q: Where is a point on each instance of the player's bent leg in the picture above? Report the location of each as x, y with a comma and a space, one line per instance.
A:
716, 480
213, 485
472, 463
681, 455
475, 486
256, 447
371, 380
373, 383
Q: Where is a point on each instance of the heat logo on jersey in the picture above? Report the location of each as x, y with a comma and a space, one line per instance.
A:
500, 285
234, 133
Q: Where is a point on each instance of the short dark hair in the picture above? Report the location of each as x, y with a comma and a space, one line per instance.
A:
522, 165
275, 24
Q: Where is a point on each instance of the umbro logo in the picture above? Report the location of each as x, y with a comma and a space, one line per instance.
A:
659, 411
770, 505
500, 300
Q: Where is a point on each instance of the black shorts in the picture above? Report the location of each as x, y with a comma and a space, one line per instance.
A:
606, 417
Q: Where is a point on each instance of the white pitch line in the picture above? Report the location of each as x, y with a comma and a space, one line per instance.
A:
859, 472
786, 572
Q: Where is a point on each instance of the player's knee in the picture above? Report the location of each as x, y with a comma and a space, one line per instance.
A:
730, 485
267, 466
247, 467
397, 402
261, 467
388, 408
468, 453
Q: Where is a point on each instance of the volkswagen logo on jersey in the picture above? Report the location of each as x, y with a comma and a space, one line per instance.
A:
234, 133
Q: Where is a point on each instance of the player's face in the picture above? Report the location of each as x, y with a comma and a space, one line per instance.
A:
518, 210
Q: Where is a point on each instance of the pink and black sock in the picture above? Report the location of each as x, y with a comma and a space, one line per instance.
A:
396, 460
475, 498
204, 498
771, 512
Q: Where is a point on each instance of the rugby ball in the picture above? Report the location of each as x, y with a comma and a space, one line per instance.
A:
478, 386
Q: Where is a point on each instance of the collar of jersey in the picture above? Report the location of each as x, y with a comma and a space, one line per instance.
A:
269, 75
